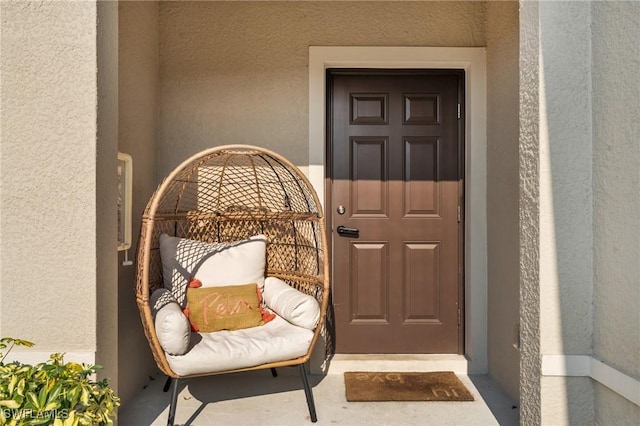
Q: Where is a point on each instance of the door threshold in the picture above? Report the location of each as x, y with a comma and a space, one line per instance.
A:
341, 363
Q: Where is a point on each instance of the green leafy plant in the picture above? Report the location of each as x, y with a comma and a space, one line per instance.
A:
52, 393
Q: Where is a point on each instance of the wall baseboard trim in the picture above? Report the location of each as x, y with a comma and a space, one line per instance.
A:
588, 366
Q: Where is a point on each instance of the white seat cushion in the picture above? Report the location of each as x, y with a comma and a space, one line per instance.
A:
278, 340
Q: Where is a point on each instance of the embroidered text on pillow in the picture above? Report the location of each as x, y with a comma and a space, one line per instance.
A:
224, 307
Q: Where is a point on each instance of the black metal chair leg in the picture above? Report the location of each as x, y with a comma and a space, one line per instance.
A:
274, 373
167, 384
174, 402
309, 394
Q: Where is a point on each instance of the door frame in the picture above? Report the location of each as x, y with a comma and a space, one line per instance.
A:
473, 61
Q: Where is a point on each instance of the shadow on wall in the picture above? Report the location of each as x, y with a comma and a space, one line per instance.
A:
566, 203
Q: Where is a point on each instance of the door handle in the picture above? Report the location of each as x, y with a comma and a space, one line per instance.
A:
343, 231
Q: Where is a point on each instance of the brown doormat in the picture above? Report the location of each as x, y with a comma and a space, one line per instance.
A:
388, 386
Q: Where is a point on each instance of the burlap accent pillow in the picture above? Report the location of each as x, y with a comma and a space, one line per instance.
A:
224, 308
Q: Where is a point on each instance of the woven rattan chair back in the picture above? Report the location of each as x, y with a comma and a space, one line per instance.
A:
227, 194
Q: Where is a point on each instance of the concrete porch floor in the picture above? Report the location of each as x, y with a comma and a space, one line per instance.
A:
257, 398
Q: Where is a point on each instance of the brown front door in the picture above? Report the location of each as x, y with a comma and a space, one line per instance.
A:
395, 146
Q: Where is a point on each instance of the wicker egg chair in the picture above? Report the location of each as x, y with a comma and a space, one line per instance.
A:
227, 194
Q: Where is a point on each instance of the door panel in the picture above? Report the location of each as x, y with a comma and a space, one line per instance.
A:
395, 168
369, 185
422, 278
369, 283
421, 190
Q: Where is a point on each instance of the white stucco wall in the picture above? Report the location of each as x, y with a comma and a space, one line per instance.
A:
546, 169
565, 178
138, 111
566, 204
502, 194
616, 163
585, 177
48, 176
236, 72
612, 409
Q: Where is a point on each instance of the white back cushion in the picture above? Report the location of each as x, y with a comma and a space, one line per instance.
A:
217, 264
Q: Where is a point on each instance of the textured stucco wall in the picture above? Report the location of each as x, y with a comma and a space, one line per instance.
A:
502, 193
612, 409
567, 401
566, 204
566, 199
529, 148
236, 72
48, 174
588, 162
616, 142
138, 109
106, 274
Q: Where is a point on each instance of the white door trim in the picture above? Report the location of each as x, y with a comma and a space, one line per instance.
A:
473, 61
